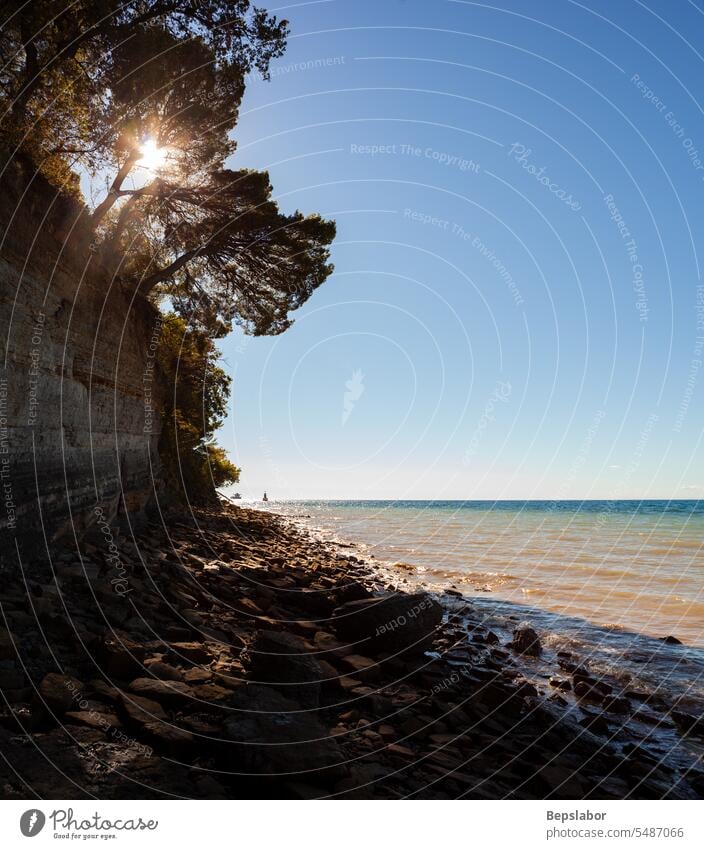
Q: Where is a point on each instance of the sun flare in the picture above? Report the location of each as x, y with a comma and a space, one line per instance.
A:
153, 157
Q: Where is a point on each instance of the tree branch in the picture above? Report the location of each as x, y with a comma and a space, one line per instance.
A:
146, 285
102, 209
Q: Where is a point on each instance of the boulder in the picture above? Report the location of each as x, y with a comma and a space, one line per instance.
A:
60, 692
390, 623
272, 736
282, 660
526, 641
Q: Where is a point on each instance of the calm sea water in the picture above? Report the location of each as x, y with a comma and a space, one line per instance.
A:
604, 579
634, 565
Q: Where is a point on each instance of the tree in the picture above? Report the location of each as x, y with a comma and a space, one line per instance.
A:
44, 39
78, 79
196, 405
95, 83
226, 250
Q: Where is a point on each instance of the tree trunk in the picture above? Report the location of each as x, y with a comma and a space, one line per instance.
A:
102, 209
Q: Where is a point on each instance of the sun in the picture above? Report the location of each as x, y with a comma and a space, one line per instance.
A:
153, 157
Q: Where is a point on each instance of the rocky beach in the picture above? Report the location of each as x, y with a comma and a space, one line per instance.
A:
228, 653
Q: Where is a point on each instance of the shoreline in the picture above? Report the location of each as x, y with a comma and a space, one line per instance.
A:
250, 660
551, 674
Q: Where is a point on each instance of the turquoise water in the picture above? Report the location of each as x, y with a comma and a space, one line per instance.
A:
638, 565
606, 580
633, 565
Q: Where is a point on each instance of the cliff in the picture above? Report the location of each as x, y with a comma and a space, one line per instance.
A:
78, 381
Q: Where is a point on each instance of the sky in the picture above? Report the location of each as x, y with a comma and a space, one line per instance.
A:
517, 307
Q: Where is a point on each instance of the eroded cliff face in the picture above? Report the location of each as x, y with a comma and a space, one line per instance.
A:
79, 385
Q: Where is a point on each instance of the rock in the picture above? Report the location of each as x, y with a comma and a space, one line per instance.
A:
616, 704
248, 606
272, 736
688, 724
325, 642
208, 788
164, 671
561, 684
197, 676
287, 662
313, 602
390, 623
103, 689
595, 722
354, 591
123, 658
11, 676
93, 719
211, 693
140, 710
195, 652
671, 641
164, 692
364, 667
403, 751
589, 691
177, 632
167, 737
570, 666
526, 641
8, 642
60, 692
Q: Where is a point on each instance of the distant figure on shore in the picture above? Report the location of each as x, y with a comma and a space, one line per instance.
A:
237, 495
265, 497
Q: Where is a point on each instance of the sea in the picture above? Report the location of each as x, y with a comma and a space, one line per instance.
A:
608, 580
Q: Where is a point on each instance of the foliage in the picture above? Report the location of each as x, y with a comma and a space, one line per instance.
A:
228, 253
86, 86
195, 406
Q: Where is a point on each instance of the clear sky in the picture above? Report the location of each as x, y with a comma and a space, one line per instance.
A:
515, 308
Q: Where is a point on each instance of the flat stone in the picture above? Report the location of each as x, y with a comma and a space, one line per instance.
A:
164, 692
166, 736
197, 676
93, 719
140, 709
193, 651
211, 692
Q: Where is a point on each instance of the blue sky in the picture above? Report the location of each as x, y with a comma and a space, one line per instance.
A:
514, 311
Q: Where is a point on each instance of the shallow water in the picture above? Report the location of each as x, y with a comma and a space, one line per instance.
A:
634, 565
603, 579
